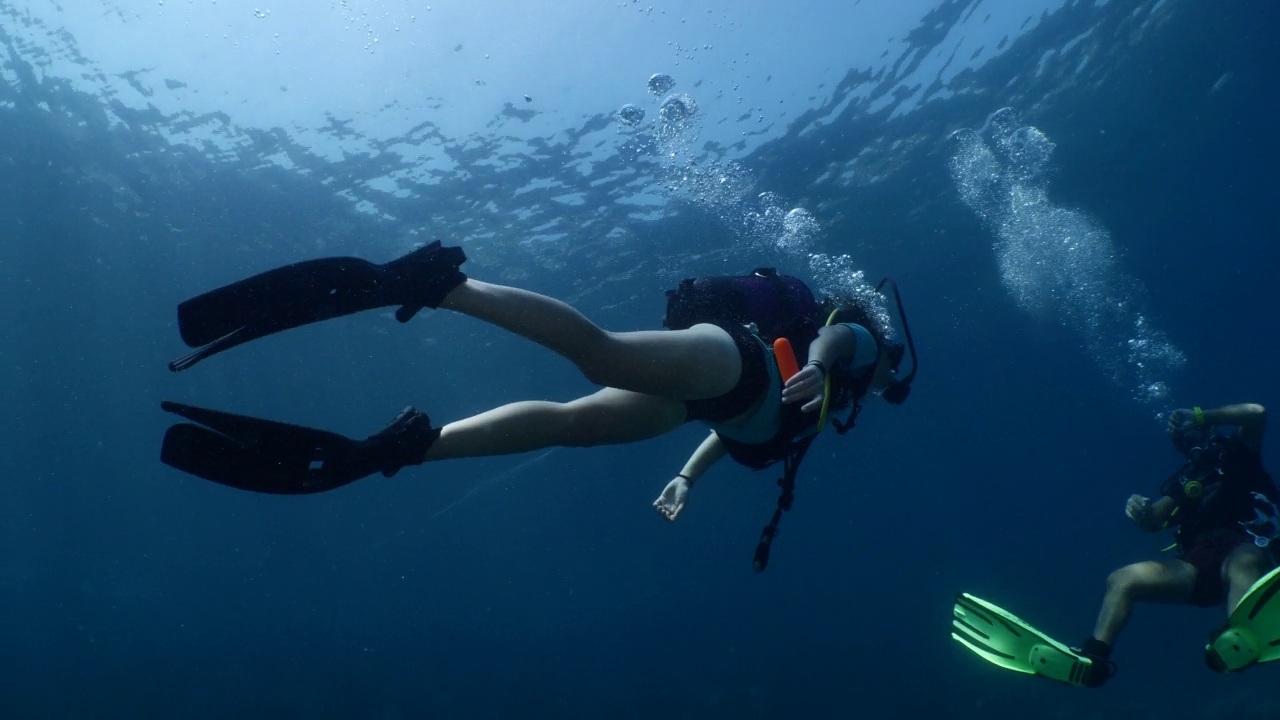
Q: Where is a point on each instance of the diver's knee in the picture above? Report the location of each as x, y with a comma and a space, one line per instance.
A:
1123, 582
577, 429
1116, 581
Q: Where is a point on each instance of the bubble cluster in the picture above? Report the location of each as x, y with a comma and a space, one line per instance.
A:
764, 224
674, 135
1154, 393
676, 114
761, 222
630, 115
1058, 263
372, 25
837, 276
661, 83
799, 228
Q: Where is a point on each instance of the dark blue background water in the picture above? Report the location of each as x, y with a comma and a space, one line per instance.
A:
554, 590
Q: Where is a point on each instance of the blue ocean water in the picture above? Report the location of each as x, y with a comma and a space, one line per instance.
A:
1079, 210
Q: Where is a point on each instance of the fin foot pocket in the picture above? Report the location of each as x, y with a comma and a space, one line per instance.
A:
402, 443
424, 277
1232, 650
1252, 632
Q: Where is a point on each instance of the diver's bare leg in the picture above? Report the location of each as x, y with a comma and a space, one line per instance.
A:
700, 362
1241, 569
608, 417
1168, 581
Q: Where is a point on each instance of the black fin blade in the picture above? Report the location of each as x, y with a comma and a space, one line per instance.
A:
253, 454
248, 430
312, 291
283, 298
209, 455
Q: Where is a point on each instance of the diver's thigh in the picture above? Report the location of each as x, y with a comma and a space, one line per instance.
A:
693, 364
613, 416
1245, 564
1170, 580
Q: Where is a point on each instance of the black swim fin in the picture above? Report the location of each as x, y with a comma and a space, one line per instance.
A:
311, 291
273, 457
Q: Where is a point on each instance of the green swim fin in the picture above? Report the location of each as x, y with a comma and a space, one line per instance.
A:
1252, 634
273, 457
1000, 637
312, 291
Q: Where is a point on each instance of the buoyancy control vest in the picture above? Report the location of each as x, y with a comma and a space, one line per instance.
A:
777, 305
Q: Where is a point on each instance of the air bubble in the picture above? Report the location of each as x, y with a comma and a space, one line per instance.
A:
630, 115
661, 83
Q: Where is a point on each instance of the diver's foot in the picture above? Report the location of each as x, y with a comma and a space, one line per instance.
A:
1101, 667
424, 277
1099, 672
1231, 650
403, 442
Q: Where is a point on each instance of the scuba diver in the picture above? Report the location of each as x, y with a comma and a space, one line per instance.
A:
714, 363
1222, 505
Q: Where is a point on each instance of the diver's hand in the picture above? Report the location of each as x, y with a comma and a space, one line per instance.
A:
807, 387
1139, 511
672, 500
1181, 419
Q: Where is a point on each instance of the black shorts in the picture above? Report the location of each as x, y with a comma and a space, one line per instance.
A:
753, 381
1207, 556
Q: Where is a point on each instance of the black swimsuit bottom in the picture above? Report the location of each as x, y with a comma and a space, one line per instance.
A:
753, 381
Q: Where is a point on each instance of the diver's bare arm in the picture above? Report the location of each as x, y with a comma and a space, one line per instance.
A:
707, 454
835, 344
1149, 516
1250, 417
1161, 511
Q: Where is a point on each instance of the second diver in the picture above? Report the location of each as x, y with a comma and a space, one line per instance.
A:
1221, 504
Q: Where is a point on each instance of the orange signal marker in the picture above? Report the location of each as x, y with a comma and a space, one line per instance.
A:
786, 358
